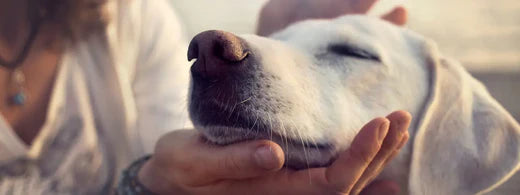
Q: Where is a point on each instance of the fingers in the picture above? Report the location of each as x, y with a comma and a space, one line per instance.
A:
275, 15
360, 6
382, 187
350, 165
198, 163
398, 16
338, 178
395, 139
375, 145
335, 8
244, 160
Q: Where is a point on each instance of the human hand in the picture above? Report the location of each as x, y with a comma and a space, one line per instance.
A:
184, 164
278, 14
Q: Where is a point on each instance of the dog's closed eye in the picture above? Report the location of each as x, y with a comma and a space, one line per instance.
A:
346, 50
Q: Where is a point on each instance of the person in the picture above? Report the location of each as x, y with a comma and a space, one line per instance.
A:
89, 86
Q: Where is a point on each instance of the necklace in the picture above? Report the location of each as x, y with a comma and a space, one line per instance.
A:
17, 80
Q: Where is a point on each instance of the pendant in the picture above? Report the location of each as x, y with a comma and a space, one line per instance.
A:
18, 79
19, 99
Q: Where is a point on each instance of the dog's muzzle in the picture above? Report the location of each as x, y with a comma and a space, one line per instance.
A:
222, 75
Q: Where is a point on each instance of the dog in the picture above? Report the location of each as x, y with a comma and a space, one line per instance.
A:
312, 86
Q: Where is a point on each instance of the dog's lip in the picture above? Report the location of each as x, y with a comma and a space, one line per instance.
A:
212, 120
260, 135
216, 131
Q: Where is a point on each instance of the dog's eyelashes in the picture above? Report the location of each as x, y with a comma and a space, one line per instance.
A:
347, 50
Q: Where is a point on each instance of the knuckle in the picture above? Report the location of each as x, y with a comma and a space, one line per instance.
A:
183, 167
188, 173
230, 163
364, 156
385, 151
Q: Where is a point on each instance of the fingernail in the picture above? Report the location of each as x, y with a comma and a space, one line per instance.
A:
266, 158
383, 130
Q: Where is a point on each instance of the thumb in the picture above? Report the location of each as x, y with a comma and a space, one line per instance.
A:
245, 160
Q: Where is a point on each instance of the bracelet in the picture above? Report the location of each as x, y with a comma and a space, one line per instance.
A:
129, 183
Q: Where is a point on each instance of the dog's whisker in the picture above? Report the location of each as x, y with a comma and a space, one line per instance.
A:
270, 127
208, 88
252, 128
246, 100
284, 139
315, 144
228, 99
332, 151
217, 97
234, 105
295, 129
232, 110
305, 155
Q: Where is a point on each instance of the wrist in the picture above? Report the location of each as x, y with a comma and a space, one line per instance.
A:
151, 178
129, 183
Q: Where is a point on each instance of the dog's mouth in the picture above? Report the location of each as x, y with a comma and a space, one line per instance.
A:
225, 135
219, 132
221, 125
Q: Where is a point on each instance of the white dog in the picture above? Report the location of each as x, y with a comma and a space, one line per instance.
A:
314, 85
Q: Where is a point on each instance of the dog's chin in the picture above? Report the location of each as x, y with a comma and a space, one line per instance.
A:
298, 154
222, 135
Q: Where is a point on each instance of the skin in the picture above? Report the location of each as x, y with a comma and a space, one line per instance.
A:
39, 68
184, 164
278, 14
236, 169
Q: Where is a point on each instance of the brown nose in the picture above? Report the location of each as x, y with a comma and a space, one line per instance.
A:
217, 53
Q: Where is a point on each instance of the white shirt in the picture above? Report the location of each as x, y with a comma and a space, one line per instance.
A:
115, 94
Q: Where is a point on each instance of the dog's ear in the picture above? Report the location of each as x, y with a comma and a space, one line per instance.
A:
466, 142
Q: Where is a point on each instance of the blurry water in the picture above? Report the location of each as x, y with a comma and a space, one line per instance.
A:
482, 34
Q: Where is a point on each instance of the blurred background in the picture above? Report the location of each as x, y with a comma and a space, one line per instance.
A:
484, 35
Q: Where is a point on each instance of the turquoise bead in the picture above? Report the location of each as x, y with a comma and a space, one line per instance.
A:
19, 99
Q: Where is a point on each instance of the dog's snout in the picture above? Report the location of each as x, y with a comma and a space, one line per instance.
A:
217, 52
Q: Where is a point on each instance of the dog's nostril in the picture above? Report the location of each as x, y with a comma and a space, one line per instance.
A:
217, 53
193, 51
217, 44
229, 49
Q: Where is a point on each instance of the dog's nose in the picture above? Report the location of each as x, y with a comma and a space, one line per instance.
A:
217, 53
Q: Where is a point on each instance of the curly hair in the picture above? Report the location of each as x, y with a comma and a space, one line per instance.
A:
76, 19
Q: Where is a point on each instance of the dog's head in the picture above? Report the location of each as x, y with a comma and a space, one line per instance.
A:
310, 88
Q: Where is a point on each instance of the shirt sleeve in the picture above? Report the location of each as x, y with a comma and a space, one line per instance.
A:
161, 78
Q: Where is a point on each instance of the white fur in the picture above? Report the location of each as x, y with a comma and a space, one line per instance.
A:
462, 141
332, 97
